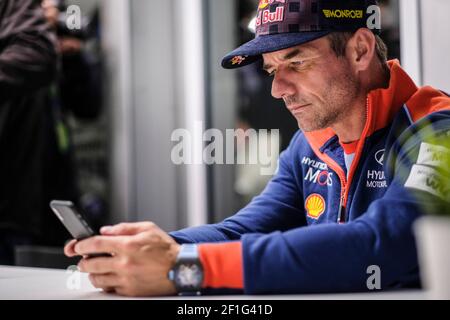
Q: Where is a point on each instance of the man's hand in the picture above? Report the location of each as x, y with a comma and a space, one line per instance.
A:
69, 45
142, 255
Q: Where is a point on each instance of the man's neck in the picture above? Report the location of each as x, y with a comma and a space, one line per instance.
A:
351, 126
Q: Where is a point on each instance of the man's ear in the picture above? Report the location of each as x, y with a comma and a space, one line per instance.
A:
361, 49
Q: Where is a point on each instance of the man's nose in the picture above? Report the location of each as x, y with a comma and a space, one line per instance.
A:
282, 86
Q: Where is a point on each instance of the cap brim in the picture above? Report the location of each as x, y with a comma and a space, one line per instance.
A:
251, 51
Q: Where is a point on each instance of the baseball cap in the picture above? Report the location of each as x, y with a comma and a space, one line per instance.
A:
281, 24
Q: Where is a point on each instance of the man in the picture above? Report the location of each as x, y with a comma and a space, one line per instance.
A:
27, 67
346, 191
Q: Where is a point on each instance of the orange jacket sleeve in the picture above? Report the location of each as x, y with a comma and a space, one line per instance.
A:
222, 265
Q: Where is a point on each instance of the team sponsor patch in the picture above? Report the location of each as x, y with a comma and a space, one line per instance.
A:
322, 178
314, 163
315, 206
266, 16
432, 155
376, 179
379, 156
238, 59
430, 180
317, 172
343, 14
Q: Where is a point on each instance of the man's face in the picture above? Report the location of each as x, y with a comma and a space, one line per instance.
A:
317, 87
51, 11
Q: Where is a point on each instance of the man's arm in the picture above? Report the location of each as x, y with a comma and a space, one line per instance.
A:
27, 47
279, 207
333, 257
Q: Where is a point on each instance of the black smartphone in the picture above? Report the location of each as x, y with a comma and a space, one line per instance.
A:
74, 222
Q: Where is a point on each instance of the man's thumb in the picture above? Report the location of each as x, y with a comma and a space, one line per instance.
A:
125, 229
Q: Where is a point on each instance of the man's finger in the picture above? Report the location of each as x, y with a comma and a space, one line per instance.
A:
109, 290
97, 265
69, 249
127, 229
104, 281
99, 244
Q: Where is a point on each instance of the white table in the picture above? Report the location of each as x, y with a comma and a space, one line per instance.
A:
45, 284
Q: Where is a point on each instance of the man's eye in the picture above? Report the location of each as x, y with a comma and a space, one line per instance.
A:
297, 64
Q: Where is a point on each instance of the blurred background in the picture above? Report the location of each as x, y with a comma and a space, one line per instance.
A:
139, 69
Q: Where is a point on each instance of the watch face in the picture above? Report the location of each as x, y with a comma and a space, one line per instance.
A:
189, 275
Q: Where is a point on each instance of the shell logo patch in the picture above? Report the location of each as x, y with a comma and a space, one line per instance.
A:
315, 206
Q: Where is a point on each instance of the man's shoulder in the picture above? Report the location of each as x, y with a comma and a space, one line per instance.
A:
427, 102
427, 110
425, 119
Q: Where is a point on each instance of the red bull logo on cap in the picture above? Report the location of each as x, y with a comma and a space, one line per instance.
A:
265, 16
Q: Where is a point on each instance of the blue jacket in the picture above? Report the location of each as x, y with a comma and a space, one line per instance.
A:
317, 227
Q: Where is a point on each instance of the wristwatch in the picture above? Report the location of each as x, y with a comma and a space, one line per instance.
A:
187, 273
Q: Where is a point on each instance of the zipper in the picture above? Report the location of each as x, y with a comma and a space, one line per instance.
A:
342, 205
345, 187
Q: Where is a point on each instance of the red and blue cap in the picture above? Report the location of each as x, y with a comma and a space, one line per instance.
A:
281, 24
